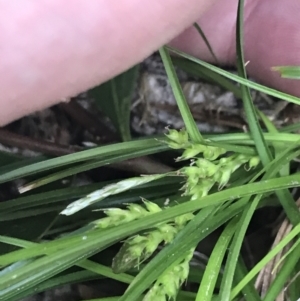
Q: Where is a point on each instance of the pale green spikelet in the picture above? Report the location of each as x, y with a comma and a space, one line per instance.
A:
117, 216
139, 248
169, 282
178, 139
203, 173
191, 152
181, 220
253, 162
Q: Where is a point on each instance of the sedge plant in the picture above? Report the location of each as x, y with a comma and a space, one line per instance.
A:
159, 219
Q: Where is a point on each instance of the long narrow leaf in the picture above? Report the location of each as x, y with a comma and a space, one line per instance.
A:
167, 214
185, 112
237, 289
250, 111
212, 270
238, 79
114, 99
90, 154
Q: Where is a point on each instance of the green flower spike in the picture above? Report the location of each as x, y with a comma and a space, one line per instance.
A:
168, 284
155, 294
178, 139
152, 207
191, 152
139, 248
206, 168
200, 190
253, 162
223, 177
192, 174
212, 153
182, 220
117, 216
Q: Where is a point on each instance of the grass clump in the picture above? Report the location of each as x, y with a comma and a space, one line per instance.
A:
219, 183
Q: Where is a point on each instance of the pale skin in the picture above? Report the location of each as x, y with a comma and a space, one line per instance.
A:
54, 49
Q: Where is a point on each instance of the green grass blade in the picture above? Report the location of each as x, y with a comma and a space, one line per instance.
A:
238, 79
268, 124
245, 139
203, 36
290, 128
288, 71
90, 154
184, 241
41, 269
184, 109
249, 291
235, 248
213, 267
285, 198
114, 99
89, 166
72, 278
197, 70
159, 188
167, 214
86, 264
259, 266
283, 275
255, 129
